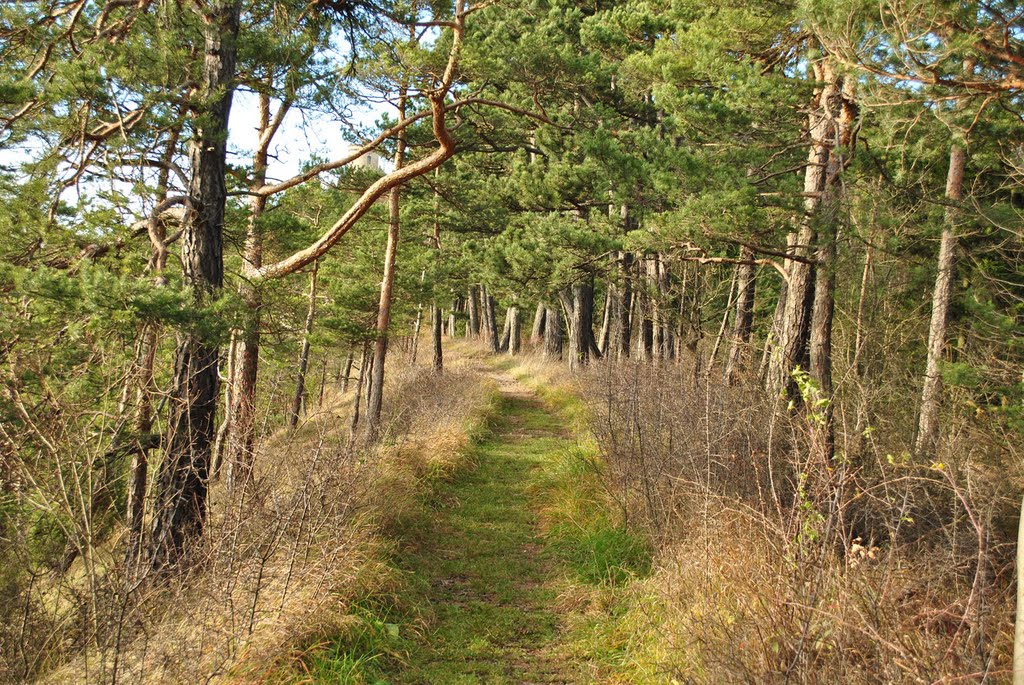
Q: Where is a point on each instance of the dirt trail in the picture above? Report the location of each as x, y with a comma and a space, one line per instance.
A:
485, 573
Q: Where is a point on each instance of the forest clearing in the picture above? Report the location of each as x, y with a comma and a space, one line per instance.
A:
512, 341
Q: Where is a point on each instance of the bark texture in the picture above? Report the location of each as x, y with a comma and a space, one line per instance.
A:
182, 484
552, 333
436, 325
473, 312
537, 331
831, 119
931, 393
581, 327
515, 332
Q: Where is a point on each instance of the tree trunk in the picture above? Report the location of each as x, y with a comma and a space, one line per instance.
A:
473, 312
224, 430
364, 368
645, 324
140, 457
242, 432
771, 343
182, 483
241, 422
664, 310
624, 320
537, 332
515, 334
415, 343
839, 139
653, 286
931, 393
146, 387
831, 123
436, 325
725, 319
380, 349
369, 379
581, 329
506, 332
552, 333
300, 379
1018, 627
489, 320
790, 348
346, 373
606, 322
743, 318
323, 383
821, 341
485, 324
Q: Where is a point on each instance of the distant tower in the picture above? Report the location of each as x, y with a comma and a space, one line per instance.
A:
370, 160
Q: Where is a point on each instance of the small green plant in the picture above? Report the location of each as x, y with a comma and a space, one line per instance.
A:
359, 656
812, 397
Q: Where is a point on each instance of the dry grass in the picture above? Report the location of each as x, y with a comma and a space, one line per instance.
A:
281, 569
772, 567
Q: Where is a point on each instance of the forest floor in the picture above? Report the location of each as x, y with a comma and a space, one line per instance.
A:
484, 580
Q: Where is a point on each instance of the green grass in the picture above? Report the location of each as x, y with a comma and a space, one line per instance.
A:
481, 568
483, 573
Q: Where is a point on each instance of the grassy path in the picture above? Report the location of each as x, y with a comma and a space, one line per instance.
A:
484, 572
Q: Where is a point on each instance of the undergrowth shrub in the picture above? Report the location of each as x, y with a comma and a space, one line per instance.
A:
772, 566
274, 572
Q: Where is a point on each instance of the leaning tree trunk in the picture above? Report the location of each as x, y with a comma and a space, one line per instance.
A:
552, 333
300, 379
179, 511
931, 393
380, 349
725, 320
743, 319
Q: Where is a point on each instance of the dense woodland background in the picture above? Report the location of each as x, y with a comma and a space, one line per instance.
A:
777, 245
